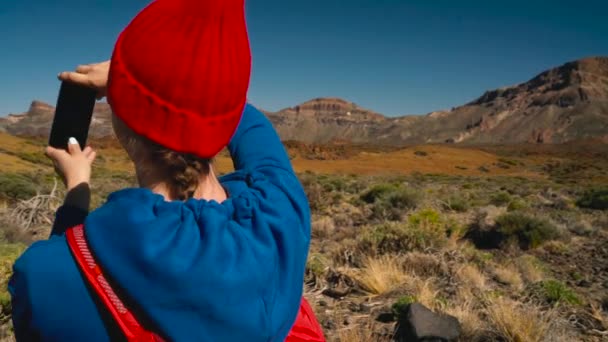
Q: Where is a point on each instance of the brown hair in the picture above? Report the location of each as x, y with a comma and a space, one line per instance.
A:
181, 172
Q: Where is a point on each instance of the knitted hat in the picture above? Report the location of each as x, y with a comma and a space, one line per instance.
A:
180, 73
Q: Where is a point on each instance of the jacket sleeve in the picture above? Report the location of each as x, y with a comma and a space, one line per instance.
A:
66, 217
256, 144
21, 306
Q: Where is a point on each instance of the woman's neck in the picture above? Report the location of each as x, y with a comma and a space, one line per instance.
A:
209, 188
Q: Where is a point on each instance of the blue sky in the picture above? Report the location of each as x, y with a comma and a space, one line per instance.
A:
396, 57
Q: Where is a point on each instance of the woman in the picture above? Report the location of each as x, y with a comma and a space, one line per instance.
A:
189, 256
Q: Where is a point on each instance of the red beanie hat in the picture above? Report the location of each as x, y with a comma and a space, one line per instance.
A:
180, 73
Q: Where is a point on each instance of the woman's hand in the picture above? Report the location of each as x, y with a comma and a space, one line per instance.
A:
73, 165
91, 75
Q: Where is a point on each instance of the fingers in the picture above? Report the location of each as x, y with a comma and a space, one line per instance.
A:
75, 78
56, 154
91, 156
74, 147
83, 69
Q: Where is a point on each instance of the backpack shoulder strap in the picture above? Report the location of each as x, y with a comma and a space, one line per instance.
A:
128, 324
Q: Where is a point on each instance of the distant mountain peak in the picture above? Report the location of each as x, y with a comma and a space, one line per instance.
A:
563, 86
332, 107
565, 103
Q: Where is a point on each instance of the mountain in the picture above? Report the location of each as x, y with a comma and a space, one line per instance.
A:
38, 119
563, 104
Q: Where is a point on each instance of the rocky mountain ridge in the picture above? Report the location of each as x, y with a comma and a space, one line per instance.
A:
563, 104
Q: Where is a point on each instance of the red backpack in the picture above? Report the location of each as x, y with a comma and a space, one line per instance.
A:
305, 329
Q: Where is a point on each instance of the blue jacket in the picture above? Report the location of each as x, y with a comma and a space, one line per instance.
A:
189, 271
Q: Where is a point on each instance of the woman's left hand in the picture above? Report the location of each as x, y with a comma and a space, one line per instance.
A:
73, 165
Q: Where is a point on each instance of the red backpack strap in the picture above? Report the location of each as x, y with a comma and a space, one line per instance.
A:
128, 324
306, 327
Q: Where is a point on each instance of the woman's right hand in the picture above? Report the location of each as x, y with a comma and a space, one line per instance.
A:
91, 75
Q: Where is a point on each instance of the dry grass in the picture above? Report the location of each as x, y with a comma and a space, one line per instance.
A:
508, 275
530, 269
470, 276
323, 227
423, 264
426, 293
468, 316
514, 322
382, 274
359, 334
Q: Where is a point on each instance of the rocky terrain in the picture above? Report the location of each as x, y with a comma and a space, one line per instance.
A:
563, 104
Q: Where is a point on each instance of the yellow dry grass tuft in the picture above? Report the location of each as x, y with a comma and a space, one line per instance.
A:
530, 268
425, 293
508, 275
422, 264
471, 277
514, 322
382, 274
468, 316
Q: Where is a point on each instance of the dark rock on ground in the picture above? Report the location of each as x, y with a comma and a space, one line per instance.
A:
422, 324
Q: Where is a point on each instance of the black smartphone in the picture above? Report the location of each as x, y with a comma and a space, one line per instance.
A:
73, 115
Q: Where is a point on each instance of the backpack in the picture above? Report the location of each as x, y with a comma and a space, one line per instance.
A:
305, 329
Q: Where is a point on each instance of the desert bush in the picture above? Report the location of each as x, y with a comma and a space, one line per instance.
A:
594, 199
513, 228
507, 161
470, 276
9, 252
530, 232
314, 193
377, 192
500, 199
457, 203
382, 274
532, 269
508, 275
15, 186
389, 201
37, 158
323, 227
554, 292
517, 204
514, 322
424, 229
317, 265
423, 264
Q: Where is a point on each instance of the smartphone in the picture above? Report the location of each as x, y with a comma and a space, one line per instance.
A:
73, 115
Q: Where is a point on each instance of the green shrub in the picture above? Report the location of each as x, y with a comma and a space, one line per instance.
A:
423, 230
594, 199
377, 192
36, 158
389, 201
554, 292
517, 204
9, 252
500, 199
316, 264
457, 203
530, 232
15, 186
507, 161
513, 227
400, 307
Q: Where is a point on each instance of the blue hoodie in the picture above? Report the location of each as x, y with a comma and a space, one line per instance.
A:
189, 271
